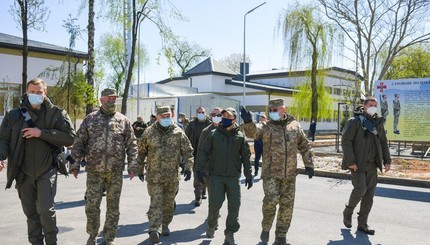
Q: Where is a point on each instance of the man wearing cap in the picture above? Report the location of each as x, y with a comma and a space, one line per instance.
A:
193, 132
160, 150
283, 138
104, 140
139, 126
182, 119
225, 151
29, 138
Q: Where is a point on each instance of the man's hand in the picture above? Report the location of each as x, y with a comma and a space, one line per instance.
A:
353, 167
387, 167
31, 133
75, 173
310, 172
248, 182
187, 174
131, 175
1, 165
141, 177
201, 176
245, 115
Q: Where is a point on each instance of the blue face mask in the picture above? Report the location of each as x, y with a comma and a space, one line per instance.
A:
35, 99
165, 122
274, 116
201, 116
226, 122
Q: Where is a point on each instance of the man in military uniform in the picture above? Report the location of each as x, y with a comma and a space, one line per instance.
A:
103, 140
225, 151
384, 107
365, 149
283, 138
139, 126
162, 146
182, 119
193, 132
29, 136
396, 109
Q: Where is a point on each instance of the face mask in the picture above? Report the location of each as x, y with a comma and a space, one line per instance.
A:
35, 99
371, 110
201, 117
274, 116
165, 122
216, 119
226, 122
109, 107
180, 120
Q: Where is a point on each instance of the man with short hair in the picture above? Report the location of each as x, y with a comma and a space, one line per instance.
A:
104, 140
365, 149
193, 132
225, 152
30, 137
182, 119
283, 138
139, 126
162, 145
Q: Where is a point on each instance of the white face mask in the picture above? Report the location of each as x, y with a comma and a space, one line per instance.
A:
371, 110
35, 99
201, 116
216, 119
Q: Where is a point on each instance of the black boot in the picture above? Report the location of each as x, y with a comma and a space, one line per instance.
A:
347, 216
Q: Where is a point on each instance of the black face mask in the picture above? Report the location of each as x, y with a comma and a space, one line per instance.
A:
226, 122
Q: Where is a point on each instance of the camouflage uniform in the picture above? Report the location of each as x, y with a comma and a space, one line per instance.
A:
282, 141
384, 109
162, 148
396, 109
105, 140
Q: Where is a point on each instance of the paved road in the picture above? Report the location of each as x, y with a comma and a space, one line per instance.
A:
401, 215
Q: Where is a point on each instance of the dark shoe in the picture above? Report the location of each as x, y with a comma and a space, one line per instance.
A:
229, 238
347, 216
281, 241
210, 232
197, 202
204, 195
366, 229
91, 240
256, 173
264, 236
165, 231
154, 237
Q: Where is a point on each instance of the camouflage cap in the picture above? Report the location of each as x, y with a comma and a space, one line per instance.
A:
163, 110
276, 102
231, 111
109, 92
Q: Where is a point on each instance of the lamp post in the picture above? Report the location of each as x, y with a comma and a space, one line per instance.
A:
138, 70
244, 56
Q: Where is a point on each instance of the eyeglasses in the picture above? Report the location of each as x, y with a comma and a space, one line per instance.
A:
216, 115
273, 110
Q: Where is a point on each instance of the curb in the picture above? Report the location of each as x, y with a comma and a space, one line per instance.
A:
381, 179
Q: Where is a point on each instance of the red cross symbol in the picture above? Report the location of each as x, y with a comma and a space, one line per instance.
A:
381, 87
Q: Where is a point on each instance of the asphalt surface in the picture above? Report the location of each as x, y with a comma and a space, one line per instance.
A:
400, 215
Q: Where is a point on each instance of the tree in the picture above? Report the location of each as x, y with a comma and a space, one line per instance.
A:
28, 14
187, 54
91, 58
379, 30
412, 62
233, 61
305, 34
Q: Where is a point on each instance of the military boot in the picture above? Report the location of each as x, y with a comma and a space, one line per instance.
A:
281, 241
264, 236
165, 231
91, 240
210, 232
347, 216
229, 238
204, 195
154, 237
362, 224
198, 202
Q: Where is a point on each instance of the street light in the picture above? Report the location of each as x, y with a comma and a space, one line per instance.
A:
244, 56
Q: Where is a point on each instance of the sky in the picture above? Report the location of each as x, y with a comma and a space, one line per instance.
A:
215, 25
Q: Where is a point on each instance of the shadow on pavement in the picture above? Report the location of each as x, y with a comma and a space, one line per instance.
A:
338, 182
410, 195
361, 238
132, 229
63, 205
186, 208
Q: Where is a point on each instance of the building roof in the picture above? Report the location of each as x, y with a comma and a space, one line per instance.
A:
14, 42
265, 87
209, 66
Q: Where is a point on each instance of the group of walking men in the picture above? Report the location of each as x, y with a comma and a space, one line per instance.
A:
213, 148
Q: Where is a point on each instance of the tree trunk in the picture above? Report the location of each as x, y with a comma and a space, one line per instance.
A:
314, 73
90, 65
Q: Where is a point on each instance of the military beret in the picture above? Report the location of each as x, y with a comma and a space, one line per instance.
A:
163, 110
231, 111
109, 92
276, 102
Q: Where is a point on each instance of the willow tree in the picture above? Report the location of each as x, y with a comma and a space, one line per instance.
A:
308, 39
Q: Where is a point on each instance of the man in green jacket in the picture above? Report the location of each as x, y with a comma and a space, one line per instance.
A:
29, 135
225, 151
365, 149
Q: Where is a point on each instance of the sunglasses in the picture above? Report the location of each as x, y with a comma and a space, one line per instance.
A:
273, 110
216, 115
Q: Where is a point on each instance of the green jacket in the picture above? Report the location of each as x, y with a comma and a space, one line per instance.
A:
225, 152
355, 139
33, 156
